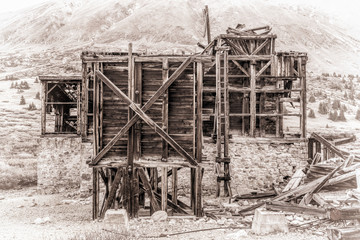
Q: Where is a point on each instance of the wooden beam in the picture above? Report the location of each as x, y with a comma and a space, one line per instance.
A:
241, 68
259, 48
174, 185
148, 189
95, 195
328, 144
207, 21
164, 188
302, 74
252, 99
165, 110
295, 208
43, 107
112, 193
199, 101
147, 119
146, 106
263, 69
218, 110
234, 46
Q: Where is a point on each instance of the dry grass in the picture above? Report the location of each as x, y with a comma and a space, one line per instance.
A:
19, 130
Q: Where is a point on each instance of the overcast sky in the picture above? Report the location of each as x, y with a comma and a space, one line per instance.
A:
346, 10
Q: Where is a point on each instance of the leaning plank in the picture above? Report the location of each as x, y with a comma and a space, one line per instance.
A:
241, 68
146, 106
343, 233
308, 196
171, 204
258, 49
295, 180
328, 145
295, 208
147, 187
351, 213
319, 200
263, 69
111, 197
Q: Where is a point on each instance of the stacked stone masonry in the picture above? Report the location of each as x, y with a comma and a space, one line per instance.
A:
62, 164
258, 163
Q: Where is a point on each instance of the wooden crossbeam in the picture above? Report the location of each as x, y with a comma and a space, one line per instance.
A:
111, 197
146, 106
237, 48
329, 145
146, 118
263, 69
241, 68
53, 87
147, 187
258, 49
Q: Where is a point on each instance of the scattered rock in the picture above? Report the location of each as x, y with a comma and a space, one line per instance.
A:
118, 217
245, 203
68, 201
20, 206
236, 235
172, 222
2, 198
42, 220
33, 204
159, 216
221, 221
319, 233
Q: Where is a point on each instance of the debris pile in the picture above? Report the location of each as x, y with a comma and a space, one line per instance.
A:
324, 191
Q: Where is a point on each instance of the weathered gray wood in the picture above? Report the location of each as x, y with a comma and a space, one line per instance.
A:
295, 208
146, 184
147, 119
146, 106
252, 99
164, 188
112, 193
43, 107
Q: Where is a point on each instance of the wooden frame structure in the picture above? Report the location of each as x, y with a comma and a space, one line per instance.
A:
148, 114
60, 96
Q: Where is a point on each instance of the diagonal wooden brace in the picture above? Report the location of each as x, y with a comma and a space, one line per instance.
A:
260, 47
263, 69
146, 118
146, 107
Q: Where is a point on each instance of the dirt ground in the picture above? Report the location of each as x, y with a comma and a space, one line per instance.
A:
28, 215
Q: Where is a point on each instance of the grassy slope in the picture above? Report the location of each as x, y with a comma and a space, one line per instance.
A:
19, 130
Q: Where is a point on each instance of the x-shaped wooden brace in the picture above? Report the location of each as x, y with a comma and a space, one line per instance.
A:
141, 114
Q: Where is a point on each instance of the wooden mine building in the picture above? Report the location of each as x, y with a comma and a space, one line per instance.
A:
148, 116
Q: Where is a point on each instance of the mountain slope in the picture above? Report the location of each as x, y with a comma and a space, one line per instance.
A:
164, 25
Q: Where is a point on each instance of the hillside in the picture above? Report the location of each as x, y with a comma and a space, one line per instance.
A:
170, 26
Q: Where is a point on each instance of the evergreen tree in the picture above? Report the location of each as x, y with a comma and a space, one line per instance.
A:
312, 98
341, 116
37, 95
12, 85
357, 117
311, 114
22, 100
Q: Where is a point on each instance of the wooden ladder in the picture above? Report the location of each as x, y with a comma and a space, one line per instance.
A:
221, 122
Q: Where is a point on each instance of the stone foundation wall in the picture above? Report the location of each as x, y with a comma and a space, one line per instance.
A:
256, 163
62, 164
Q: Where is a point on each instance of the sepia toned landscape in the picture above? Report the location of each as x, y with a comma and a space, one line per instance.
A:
196, 172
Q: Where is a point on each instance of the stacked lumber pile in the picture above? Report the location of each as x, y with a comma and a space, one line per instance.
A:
323, 189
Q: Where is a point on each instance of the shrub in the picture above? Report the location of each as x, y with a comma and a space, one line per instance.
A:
335, 86
22, 100
37, 96
12, 85
311, 114
357, 117
36, 80
24, 85
312, 98
32, 106
341, 116
333, 116
336, 104
323, 108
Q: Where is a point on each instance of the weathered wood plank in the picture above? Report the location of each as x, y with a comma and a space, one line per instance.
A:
146, 106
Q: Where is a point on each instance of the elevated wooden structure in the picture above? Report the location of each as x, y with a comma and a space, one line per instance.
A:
148, 116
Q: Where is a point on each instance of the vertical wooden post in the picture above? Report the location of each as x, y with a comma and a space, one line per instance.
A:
165, 109
252, 98
174, 185
95, 197
138, 100
227, 125
302, 74
164, 188
199, 94
130, 146
207, 19
78, 108
101, 103
43, 106
311, 148
198, 192
218, 110
84, 100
